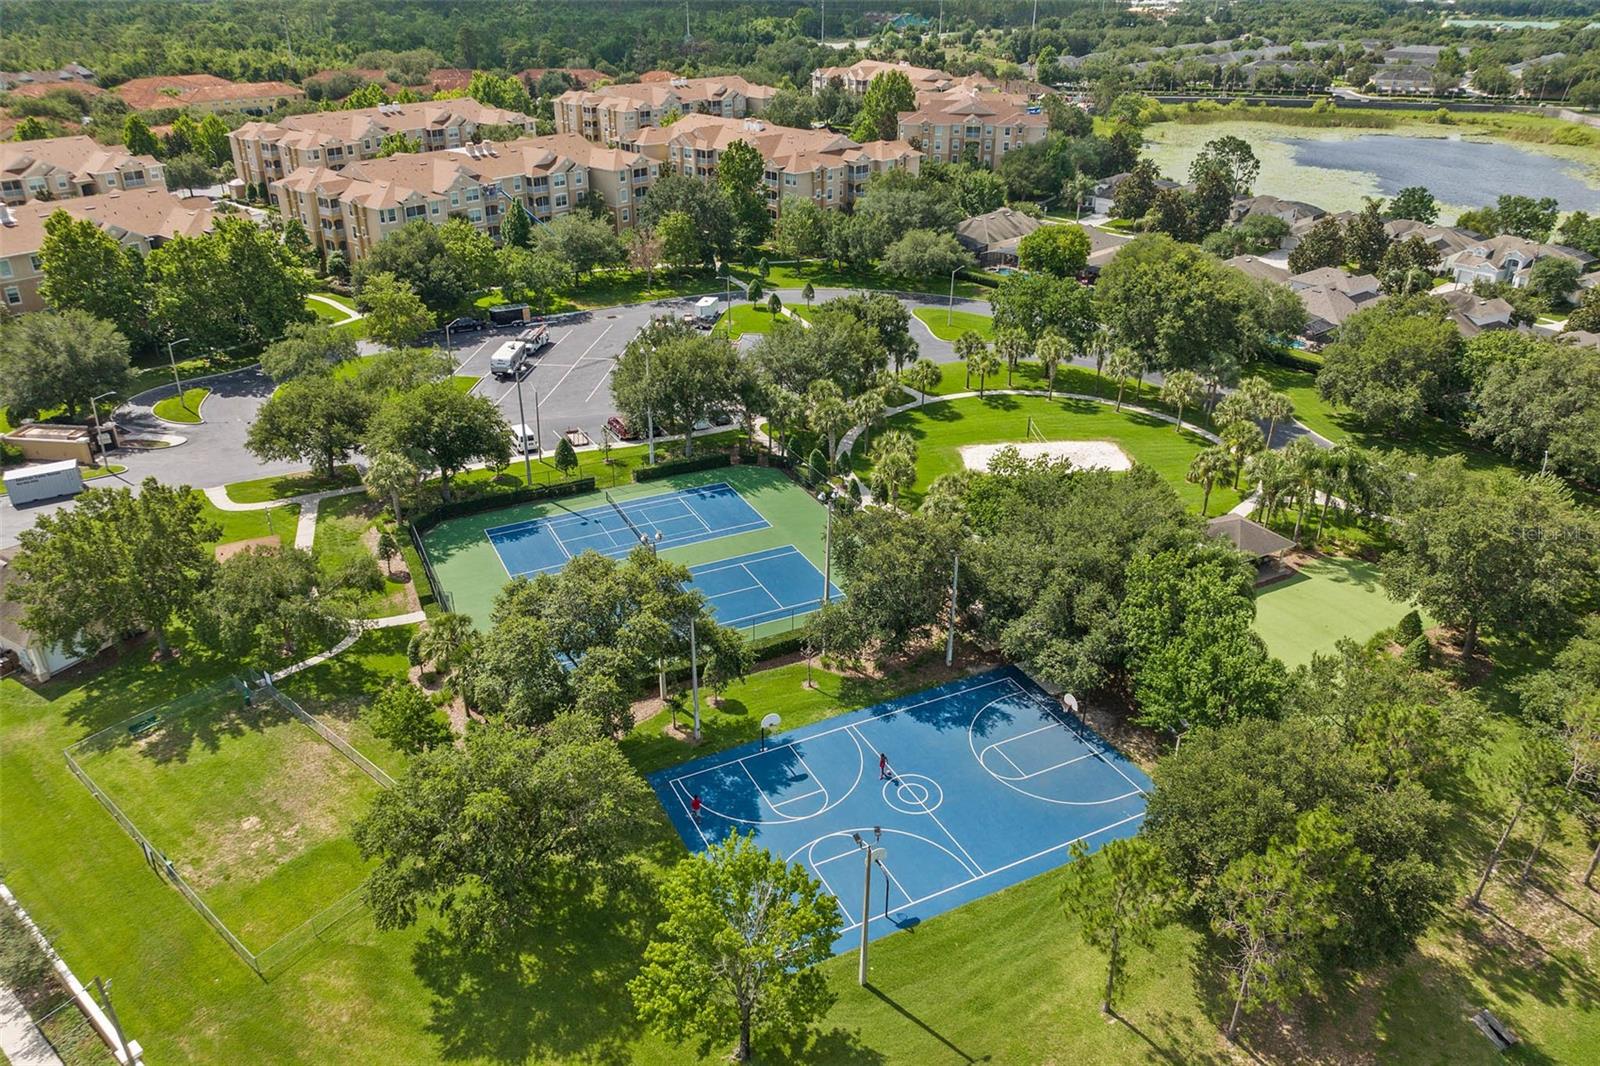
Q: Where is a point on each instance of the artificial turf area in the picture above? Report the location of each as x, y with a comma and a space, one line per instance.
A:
942, 426
1327, 600
250, 805
469, 569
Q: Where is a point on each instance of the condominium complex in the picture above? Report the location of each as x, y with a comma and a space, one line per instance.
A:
59, 168
140, 218
351, 210
819, 165
264, 152
207, 92
614, 114
969, 124
858, 76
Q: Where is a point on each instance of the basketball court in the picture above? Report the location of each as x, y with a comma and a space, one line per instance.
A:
990, 781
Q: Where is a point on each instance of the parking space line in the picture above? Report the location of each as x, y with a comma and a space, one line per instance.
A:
577, 363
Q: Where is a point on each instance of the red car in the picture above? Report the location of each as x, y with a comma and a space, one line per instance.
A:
620, 429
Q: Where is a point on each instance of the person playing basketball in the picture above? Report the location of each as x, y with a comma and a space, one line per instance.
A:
883, 766
694, 807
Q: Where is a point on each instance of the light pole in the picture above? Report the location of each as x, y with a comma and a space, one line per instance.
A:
951, 307
872, 854
650, 408
826, 497
950, 638
172, 359
94, 412
522, 418
538, 427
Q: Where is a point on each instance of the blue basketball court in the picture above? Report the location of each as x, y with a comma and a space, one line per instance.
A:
990, 781
763, 586
544, 545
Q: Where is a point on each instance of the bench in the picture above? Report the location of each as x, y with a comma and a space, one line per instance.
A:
1497, 1031
140, 726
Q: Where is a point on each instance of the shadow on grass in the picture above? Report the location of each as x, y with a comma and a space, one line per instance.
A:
895, 1006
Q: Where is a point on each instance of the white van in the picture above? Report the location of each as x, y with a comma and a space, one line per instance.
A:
523, 439
509, 359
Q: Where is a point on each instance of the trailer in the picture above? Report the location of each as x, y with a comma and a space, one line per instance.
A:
43, 481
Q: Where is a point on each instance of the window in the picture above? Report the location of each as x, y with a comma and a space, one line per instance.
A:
472, 195
561, 199
34, 262
624, 214
13, 295
475, 215
5, 268
455, 198
560, 181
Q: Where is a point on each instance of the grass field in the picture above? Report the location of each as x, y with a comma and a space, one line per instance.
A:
1329, 599
471, 572
750, 318
248, 802
947, 325
284, 486
186, 409
251, 525
336, 691
941, 428
343, 525
825, 275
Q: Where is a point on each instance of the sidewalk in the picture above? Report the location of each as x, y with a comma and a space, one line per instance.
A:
20, 1040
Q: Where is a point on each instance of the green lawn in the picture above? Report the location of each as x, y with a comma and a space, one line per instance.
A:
608, 471
251, 525
248, 802
825, 275
343, 523
947, 325
329, 314
1329, 599
186, 409
607, 288
338, 690
283, 486
750, 318
941, 428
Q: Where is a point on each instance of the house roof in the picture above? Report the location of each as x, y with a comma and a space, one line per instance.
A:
982, 232
80, 156
662, 91
1252, 538
1258, 268
867, 69
970, 105
314, 129
1473, 313
1288, 210
141, 213
1326, 309
1580, 337
784, 147
1356, 286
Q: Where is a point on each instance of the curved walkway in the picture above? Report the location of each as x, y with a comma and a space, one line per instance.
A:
357, 628
350, 314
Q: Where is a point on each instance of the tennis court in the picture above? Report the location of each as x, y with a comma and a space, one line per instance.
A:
991, 780
763, 586
687, 516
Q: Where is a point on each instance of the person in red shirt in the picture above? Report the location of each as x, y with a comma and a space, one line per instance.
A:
694, 807
883, 766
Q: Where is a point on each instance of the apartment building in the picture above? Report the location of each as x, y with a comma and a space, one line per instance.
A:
264, 152
618, 177
820, 165
139, 218
968, 124
207, 92
352, 209
858, 76
59, 168
614, 114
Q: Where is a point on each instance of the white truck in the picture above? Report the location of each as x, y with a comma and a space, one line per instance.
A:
509, 359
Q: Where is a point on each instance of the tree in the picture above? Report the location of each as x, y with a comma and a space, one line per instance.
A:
309, 348
515, 229
1242, 439
403, 715
922, 253
236, 285
1538, 764
1526, 217
314, 419
513, 674
1543, 408
388, 550
1416, 203
1233, 158
924, 376
136, 136
1180, 389
264, 607
978, 191
395, 315
888, 319
738, 950
1038, 304
710, 214
1365, 240
1394, 362
488, 831
804, 228
1322, 246
188, 172
845, 346
442, 427
728, 657
566, 459
984, 363
894, 464
1207, 467
808, 294
827, 413
1136, 192
85, 269
211, 140
740, 176
1120, 895
676, 376
1554, 277
1122, 365
680, 240
879, 118
534, 277
31, 128
1059, 250
584, 242
1407, 266
1586, 316
50, 361
446, 641
1503, 550
896, 568
442, 265
114, 564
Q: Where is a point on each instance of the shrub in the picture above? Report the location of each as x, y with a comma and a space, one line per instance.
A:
682, 466
358, 572
1408, 629
1417, 653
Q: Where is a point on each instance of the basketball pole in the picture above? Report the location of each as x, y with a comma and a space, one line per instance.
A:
950, 638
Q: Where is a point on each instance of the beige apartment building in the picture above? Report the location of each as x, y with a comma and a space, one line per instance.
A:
138, 218
207, 92
858, 76
614, 114
264, 152
961, 124
618, 177
819, 165
60, 168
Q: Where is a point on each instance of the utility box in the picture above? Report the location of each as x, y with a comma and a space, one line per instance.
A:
44, 481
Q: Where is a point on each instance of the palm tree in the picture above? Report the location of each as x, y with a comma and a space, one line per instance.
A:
1269, 473
1304, 461
828, 412
924, 375
1077, 189
985, 363
1180, 389
1243, 439
1120, 366
894, 463
1208, 465
966, 347
1052, 352
1012, 345
785, 410
1099, 348
445, 641
867, 410
1275, 407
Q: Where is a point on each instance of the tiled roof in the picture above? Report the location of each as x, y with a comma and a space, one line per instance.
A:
80, 156
151, 212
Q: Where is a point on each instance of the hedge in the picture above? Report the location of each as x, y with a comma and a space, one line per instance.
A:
493, 501
1296, 359
977, 278
710, 461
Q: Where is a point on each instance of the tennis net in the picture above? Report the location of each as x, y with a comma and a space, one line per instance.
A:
638, 534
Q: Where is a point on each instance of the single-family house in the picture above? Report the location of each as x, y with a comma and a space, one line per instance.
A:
993, 237
1473, 314
1507, 258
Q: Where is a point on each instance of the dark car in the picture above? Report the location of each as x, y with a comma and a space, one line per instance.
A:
465, 324
620, 429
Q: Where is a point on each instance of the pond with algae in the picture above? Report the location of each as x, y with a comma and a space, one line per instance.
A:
1336, 168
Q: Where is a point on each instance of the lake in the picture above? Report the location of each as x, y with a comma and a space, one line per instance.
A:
1336, 169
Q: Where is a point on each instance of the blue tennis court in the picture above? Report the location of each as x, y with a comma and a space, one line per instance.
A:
990, 782
543, 545
763, 586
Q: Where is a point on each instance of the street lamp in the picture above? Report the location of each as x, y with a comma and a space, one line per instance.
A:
649, 407
826, 497
872, 854
172, 359
522, 418
94, 412
951, 307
